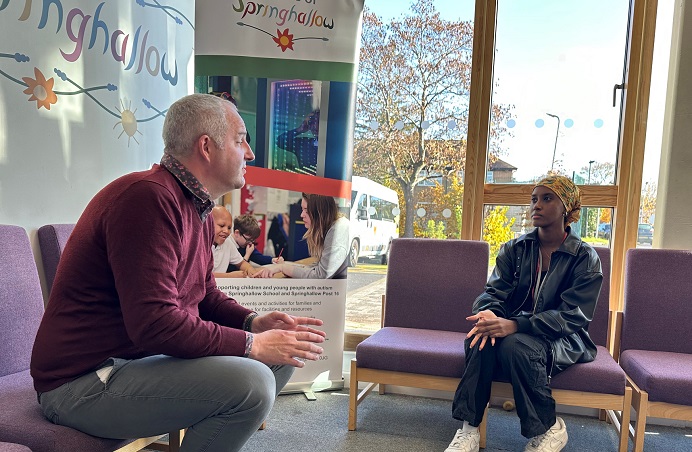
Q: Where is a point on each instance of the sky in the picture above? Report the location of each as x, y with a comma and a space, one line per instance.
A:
562, 58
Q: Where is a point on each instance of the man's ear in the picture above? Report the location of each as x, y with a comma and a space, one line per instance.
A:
203, 147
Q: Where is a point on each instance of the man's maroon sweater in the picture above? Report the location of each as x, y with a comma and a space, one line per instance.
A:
135, 280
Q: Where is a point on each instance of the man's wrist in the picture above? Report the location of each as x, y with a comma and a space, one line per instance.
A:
247, 323
249, 338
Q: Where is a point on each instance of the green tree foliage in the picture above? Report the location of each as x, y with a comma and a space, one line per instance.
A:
445, 198
413, 83
648, 202
497, 228
433, 230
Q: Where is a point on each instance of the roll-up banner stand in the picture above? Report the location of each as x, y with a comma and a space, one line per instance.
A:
291, 66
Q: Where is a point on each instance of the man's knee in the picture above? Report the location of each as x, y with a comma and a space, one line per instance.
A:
246, 378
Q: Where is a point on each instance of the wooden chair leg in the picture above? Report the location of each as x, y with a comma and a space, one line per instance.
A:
381, 389
641, 406
175, 439
483, 428
625, 420
353, 397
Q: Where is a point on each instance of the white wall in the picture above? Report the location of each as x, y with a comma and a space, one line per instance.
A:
56, 154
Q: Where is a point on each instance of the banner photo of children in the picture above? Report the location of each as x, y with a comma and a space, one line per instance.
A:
282, 241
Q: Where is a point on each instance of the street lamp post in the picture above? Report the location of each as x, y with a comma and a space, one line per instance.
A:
591, 162
552, 163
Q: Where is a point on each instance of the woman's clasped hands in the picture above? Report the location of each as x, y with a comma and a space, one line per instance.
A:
489, 325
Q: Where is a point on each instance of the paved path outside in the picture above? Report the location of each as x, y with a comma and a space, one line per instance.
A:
364, 304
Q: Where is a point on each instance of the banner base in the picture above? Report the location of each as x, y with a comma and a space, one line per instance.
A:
309, 389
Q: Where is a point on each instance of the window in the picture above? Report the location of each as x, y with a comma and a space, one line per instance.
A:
541, 101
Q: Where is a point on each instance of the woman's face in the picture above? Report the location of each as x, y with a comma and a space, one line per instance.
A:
546, 207
304, 214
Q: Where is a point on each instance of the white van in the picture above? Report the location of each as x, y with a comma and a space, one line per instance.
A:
374, 220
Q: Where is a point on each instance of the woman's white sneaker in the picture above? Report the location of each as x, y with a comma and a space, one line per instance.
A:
465, 441
551, 441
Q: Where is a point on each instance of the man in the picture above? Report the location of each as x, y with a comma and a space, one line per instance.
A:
136, 339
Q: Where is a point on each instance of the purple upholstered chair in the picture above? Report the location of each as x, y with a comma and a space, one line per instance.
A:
431, 286
599, 384
52, 239
21, 308
655, 350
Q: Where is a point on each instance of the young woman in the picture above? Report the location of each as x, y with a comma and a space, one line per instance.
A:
327, 238
531, 321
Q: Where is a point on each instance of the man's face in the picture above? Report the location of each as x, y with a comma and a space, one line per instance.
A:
223, 224
228, 161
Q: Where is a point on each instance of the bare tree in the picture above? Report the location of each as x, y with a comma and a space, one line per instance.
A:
602, 173
412, 106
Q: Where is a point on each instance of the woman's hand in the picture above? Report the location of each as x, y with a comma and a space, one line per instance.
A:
267, 271
476, 330
277, 260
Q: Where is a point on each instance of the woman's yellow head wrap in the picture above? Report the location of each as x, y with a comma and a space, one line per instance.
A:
568, 193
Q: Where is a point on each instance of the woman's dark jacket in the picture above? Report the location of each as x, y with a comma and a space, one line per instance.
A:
565, 304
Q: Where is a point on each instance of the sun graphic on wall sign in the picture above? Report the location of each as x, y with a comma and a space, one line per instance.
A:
283, 40
128, 121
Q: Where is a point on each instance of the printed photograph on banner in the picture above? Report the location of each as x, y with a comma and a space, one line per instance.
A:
295, 126
306, 298
281, 234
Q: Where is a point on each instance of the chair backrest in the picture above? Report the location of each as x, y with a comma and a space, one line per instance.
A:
598, 328
21, 302
52, 239
658, 293
432, 283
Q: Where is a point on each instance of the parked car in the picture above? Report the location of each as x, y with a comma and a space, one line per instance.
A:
604, 230
645, 233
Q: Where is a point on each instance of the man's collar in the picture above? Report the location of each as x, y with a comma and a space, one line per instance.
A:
201, 197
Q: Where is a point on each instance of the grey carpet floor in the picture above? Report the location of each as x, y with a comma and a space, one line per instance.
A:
389, 423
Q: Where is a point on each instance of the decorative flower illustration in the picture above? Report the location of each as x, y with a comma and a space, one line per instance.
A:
40, 89
283, 40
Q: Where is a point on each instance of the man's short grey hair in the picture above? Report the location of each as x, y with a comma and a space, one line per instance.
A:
191, 117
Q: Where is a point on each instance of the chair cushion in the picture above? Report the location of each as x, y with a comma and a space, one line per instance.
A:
602, 375
21, 421
414, 350
12, 447
666, 376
